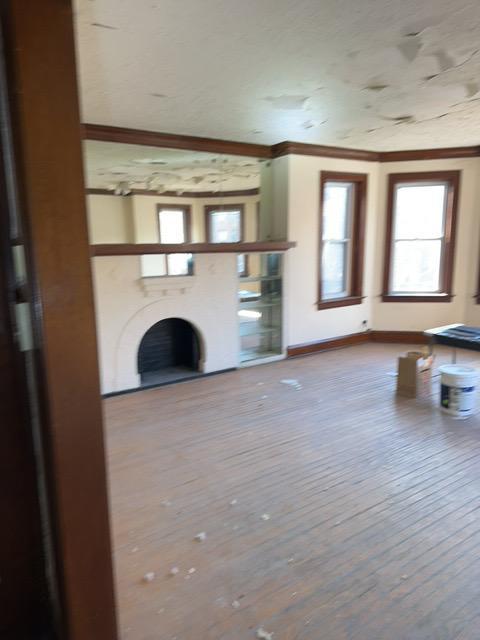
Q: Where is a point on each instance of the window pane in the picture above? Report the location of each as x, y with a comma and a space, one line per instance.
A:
241, 263
178, 264
419, 211
337, 199
225, 226
154, 265
172, 229
416, 266
334, 269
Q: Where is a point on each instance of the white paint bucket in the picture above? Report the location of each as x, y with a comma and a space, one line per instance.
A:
457, 395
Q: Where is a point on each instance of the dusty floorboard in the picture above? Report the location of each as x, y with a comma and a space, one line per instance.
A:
374, 505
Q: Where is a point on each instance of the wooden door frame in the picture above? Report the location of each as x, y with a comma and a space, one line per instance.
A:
41, 72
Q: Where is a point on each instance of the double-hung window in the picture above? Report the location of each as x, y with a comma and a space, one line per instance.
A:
342, 222
173, 228
225, 223
421, 212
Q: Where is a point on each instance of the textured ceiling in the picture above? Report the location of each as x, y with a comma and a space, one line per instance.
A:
373, 74
113, 166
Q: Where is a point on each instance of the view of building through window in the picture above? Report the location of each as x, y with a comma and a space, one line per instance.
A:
336, 238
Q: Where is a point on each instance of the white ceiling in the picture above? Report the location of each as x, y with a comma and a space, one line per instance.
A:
113, 166
373, 74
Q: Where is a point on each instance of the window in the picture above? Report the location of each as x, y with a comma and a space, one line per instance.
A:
421, 212
226, 224
173, 228
342, 224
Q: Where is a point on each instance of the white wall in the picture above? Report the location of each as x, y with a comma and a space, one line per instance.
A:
304, 321
127, 306
416, 316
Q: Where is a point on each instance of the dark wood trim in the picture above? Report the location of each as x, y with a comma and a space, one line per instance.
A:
305, 149
186, 209
106, 133
394, 337
340, 302
360, 182
213, 195
124, 135
429, 154
42, 76
195, 247
453, 180
209, 209
325, 345
439, 297
399, 337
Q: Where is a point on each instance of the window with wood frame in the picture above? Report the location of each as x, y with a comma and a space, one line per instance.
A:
226, 223
342, 232
420, 236
173, 228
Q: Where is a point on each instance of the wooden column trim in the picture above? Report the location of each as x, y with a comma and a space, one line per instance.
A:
42, 72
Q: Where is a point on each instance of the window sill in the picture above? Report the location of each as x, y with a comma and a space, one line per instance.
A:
429, 297
339, 302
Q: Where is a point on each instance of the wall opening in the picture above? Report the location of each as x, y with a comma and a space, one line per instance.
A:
169, 351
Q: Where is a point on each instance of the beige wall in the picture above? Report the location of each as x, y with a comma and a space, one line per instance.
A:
109, 219
305, 323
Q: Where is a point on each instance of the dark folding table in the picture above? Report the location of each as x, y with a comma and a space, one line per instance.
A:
457, 336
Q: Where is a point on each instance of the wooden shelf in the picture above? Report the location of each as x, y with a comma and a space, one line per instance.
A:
192, 247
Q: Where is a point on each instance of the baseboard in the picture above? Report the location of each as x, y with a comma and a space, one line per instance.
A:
394, 337
329, 343
399, 337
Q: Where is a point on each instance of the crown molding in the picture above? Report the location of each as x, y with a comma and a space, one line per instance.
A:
211, 195
123, 135
305, 149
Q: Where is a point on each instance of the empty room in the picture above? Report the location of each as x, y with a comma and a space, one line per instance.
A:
241, 291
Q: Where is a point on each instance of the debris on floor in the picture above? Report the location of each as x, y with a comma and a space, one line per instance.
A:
192, 570
290, 560
265, 516
200, 537
292, 383
166, 503
263, 397
261, 634
233, 502
135, 549
235, 604
149, 577
173, 571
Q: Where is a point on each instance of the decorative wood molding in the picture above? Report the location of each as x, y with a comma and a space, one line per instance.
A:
166, 286
399, 337
429, 154
305, 149
194, 247
393, 337
211, 195
329, 343
105, 133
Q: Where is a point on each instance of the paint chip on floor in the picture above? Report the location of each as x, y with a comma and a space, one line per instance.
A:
192, 570
235, 604
233, 502
200, 537
292, 382
265, 516
149, 577
173, 571
261, 634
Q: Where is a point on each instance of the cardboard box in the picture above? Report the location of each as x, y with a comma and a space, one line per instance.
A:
414, 374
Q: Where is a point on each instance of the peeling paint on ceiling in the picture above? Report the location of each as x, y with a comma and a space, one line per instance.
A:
257, 72
112, 166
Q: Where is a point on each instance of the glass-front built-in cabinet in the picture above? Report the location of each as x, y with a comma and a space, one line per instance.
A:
260, 306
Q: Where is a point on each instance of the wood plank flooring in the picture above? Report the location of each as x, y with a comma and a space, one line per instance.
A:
370, 505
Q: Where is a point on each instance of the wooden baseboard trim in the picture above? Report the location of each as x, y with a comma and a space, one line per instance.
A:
393, 337
399, 337
327, 345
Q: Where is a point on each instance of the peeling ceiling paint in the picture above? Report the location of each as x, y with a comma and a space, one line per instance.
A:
374, 74
109, 165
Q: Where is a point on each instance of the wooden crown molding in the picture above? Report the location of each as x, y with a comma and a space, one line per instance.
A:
190, 247
105, 133
123, 135
211, 195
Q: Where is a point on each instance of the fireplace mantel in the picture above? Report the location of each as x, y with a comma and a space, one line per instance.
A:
191, 247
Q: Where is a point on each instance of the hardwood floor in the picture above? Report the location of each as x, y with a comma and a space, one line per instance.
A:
373, 502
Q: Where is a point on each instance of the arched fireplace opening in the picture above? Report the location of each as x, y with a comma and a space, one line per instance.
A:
169, 351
